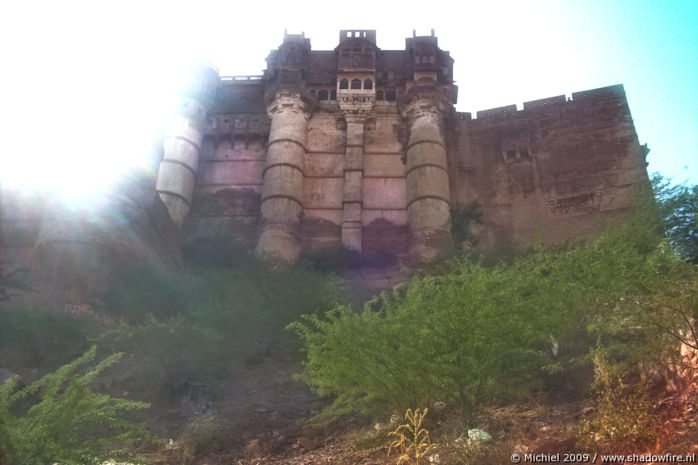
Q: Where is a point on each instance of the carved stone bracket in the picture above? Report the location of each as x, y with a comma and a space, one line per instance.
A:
356, 106
424, 102
285, 100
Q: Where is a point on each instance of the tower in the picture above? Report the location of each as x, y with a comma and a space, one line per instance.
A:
288, 108
182, 145
427, 101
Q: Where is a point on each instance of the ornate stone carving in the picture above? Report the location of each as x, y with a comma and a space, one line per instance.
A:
424, 102
356, 105
288, 100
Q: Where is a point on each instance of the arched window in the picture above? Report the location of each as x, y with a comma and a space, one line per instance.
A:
333, 94
379, 95
390, 94
343, 84
322, 95
356, 84
368, 84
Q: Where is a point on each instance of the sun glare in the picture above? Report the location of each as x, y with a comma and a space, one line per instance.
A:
92, 130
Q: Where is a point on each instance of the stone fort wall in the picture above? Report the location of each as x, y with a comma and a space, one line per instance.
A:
378, 169
356, 147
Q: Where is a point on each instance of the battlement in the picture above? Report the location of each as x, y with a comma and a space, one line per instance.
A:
544, 102
602, 93
430, 40
348, 34
294, 37
241, 79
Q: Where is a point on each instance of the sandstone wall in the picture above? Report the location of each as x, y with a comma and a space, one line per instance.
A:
230, 176
557, 169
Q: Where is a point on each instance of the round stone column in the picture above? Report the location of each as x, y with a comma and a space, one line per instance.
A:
282, 188
182, 145
428, 192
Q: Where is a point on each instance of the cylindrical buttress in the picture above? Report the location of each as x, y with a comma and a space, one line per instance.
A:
182, 145
428, 194
282, 189
177, 174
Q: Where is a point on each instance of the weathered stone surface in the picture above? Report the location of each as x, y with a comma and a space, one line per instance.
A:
357, 146
394, 149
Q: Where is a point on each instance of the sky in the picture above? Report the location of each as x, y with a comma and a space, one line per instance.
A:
87, 86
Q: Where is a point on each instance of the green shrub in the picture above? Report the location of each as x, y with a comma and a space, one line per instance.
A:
454, 338
139, 291
620, 417
224, 319
32, 338
476, 332
462, 219
170, 355
59, 419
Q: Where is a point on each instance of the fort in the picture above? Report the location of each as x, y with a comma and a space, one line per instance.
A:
355, 147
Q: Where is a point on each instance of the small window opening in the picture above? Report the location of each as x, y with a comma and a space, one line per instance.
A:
356, 84
323, 95
379, 95
368, 84
390, 95
511, 154
333, 94
343, 84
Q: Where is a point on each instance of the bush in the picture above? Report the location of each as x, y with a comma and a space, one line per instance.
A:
171, 355
218, 320
32, 338
462, 219
139, 291
450, 338
621, 417
60, 419
477, 333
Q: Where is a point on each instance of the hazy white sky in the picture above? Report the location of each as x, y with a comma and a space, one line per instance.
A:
87, 84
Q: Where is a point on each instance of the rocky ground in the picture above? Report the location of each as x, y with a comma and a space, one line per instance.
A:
269, 430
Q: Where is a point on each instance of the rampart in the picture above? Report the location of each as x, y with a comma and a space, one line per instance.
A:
355, 147
556, 169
